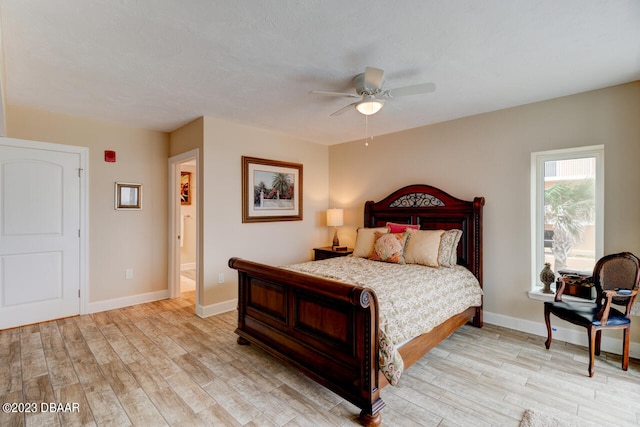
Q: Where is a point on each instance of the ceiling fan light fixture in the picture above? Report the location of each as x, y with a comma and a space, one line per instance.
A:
369, 106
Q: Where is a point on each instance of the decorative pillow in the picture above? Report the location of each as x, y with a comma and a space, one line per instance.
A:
448, 256
365, 238
423, 247
389, 247
401, 228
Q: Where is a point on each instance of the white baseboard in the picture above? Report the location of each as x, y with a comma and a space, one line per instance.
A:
201, 311
95, 307
217, 308
578, 337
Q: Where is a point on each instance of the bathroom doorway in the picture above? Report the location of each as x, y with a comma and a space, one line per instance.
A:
184, 227
188, 217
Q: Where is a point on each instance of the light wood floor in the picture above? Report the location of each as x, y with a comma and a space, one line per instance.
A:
158, 364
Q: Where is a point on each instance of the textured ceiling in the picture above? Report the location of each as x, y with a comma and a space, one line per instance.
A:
158, 64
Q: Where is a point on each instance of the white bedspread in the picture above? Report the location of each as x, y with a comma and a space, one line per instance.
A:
413, 299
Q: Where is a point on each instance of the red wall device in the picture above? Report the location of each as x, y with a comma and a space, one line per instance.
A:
109, 156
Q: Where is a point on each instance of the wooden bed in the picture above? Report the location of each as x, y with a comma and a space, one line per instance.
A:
330, 330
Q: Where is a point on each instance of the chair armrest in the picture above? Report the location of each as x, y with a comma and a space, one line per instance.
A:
559, 290
608, 296
626, 293
603, 314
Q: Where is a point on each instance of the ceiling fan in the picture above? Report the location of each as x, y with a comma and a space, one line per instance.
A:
370, 93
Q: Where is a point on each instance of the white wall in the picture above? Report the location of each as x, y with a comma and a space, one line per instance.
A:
489, 155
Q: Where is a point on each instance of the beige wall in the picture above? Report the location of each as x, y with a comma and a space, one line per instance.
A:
117, 239
138, 239
489, 155
186, 138
223, 234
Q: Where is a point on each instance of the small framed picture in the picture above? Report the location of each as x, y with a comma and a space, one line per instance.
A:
185, 188
128, 196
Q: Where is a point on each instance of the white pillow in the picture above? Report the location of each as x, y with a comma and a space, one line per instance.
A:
365, 238
423, 247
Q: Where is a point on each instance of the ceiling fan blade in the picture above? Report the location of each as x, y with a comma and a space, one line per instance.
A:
410, 90
343, 109
373, 78
340, 94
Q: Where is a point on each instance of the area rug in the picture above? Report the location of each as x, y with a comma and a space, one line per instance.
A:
532, 418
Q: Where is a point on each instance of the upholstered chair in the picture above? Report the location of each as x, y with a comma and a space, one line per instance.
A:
616, 278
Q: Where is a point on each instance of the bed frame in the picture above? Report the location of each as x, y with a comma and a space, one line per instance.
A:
329, 330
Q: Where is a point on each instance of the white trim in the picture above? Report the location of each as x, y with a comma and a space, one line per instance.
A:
112, 304
83, 153
174, 223
539, 295
217, 308
537, 199
573, 336
84, 230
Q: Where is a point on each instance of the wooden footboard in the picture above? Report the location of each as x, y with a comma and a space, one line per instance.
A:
327, 329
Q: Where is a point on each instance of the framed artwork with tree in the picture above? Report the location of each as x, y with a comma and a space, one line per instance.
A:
271, 190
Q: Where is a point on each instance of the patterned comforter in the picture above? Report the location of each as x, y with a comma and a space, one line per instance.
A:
412, 299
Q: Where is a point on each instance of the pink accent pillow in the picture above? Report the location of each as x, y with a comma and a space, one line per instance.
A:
401, 228
389, 247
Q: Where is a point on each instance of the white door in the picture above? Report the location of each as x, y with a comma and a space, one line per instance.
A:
39, 234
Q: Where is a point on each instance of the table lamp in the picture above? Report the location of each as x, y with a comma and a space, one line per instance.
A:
335, 220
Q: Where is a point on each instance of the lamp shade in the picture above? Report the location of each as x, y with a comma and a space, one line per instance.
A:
335, 217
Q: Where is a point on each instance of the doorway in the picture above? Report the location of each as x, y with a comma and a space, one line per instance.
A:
188, 216
184, 226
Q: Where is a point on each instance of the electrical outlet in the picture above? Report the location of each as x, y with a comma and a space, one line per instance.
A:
220, 277
128, 274
635, 309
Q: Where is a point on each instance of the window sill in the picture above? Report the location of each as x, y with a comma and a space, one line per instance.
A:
539, 295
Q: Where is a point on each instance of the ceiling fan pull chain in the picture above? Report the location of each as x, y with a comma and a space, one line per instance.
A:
366, 131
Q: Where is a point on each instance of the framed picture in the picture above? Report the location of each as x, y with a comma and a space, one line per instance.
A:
185, 188
128, 196
271, 190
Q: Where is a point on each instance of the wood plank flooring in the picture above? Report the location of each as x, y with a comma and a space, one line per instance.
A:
158, 364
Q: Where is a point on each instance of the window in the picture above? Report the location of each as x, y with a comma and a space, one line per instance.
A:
567, 199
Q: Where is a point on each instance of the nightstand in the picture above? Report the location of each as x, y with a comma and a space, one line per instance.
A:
327, 252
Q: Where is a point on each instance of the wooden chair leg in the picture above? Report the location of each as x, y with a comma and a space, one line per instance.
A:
547, 320
598, 339
592, 344
625, 348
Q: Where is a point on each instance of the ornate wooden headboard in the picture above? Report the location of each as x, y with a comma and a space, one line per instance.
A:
433, 209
